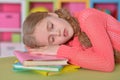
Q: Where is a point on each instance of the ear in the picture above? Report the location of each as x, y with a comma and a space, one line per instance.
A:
53, 14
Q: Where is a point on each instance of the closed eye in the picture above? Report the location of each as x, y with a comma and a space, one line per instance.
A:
51, 39
50, 26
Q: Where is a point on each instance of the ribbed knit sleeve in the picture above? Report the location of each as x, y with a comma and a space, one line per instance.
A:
113, 29
100, 56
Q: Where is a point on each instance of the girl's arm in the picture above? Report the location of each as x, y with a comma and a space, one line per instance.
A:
100, 56
47, 50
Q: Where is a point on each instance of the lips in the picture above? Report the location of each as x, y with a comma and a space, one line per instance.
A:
65, 33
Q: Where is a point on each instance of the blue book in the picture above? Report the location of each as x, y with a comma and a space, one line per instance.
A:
18, 66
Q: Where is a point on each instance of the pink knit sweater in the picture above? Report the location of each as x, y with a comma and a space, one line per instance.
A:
104, 33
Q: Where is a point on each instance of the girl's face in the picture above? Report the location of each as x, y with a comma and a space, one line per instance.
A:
53, 30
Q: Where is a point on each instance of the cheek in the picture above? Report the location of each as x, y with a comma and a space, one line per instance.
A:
61, 40
42, 39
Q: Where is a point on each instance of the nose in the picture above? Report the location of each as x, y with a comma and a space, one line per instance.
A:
55, 33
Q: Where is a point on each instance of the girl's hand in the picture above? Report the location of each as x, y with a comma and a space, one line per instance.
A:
47, 50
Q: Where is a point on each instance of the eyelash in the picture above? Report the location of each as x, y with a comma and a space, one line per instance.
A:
50, 27
52, 39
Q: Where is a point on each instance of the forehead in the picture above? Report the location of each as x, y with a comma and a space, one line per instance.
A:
41, 33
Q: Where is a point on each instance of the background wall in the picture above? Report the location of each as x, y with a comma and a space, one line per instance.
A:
13, 13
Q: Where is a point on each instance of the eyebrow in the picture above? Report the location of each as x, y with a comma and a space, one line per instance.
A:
47, 26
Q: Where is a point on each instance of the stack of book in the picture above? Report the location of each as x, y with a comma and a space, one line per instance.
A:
43, 64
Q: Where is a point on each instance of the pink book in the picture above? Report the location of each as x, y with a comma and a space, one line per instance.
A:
28, 59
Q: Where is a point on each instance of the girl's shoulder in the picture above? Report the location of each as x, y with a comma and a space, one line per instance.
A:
88, 11
84, 14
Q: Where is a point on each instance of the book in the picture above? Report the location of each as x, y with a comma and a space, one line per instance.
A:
66, 69
19, 66
28, 59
